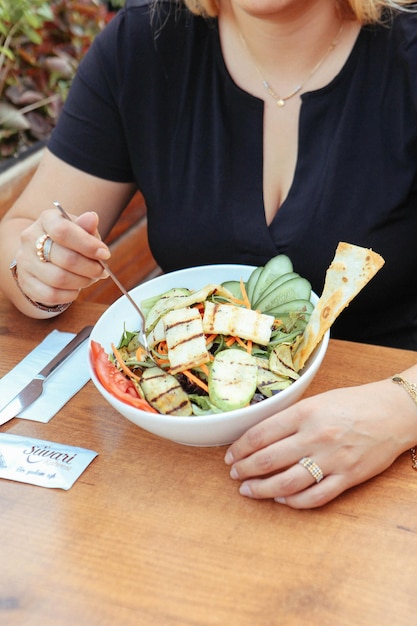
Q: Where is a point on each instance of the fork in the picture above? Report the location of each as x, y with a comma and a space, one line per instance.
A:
117, 283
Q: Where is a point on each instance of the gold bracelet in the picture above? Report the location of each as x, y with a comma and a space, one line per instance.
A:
53, 308
411, 389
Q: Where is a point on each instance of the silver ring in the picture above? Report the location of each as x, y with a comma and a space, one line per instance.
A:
43, 248
313, 468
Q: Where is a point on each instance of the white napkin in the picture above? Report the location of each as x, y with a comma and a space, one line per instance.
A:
59, 387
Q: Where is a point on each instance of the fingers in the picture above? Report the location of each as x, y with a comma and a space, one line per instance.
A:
292, 491
80, 236
57, 257
73, 248
295, 487
275, 457
310, 453
69, 268
287, 482
280, 484
44, 292
89, 222
278, 472
273, 429
267, 459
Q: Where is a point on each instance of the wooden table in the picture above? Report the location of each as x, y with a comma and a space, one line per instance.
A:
155, 533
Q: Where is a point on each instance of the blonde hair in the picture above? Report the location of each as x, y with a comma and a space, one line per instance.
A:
365, 11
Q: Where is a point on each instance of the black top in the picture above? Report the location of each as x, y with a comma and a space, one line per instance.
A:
154, 103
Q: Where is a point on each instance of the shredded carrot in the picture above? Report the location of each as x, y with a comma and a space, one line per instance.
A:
160, 361
162, 348
195, 379
141, 354
122, 364
161, 353
241, 342
210, 338
236, 301
204, 368
247, 346
245, 294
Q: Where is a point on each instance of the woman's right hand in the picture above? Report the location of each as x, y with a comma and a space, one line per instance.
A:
73, 260
77, 247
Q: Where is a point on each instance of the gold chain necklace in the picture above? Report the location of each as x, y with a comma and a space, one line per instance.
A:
281, 100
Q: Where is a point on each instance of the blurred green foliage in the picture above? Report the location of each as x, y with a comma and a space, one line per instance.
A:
41, 45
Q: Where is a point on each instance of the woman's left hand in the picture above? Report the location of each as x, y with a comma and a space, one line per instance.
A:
351, 434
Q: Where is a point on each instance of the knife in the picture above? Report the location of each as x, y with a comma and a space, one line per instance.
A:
34, 389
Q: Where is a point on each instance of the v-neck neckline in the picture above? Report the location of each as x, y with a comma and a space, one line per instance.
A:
306, 98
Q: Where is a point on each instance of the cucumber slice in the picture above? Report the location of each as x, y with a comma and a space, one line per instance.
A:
297, 288
234, 287
252, 280
278, 265
232, 379
276, 283
295, 306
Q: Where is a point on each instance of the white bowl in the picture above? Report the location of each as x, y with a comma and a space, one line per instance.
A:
209, 430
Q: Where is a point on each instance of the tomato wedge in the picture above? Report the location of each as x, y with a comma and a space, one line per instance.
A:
114, 381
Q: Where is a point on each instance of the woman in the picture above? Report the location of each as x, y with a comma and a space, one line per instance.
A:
271, 126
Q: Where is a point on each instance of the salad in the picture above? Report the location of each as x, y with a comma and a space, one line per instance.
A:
224, 347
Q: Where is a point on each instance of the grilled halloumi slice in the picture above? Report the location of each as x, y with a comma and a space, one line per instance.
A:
179, 298
227, 319
185, 339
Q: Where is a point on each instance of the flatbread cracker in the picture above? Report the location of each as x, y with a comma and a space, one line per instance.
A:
351, 269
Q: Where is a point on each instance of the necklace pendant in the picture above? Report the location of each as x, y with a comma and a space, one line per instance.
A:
280, 101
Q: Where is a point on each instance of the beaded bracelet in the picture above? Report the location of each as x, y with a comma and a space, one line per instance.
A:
54, 308
411, 389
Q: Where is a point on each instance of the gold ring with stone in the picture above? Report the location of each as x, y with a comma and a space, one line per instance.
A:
43, 248
313, 468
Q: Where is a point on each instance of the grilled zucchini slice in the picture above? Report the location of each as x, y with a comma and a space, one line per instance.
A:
232, 379
164, 392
